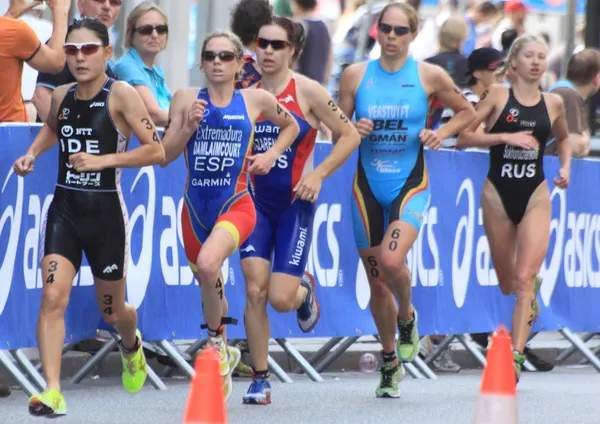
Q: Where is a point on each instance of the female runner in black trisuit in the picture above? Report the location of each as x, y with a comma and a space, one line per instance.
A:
515, 198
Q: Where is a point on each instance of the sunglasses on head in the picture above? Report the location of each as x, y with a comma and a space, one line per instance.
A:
263, 43
398, 30
224, 56
113, 3
71, 49
148, 29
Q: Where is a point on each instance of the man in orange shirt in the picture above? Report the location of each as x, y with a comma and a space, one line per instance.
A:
19, 44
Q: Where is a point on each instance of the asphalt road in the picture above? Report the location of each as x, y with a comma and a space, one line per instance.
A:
565, 395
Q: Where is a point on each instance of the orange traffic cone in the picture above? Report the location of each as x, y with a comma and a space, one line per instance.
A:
497, 402
206, 401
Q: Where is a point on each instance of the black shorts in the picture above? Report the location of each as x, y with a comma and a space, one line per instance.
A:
94, 223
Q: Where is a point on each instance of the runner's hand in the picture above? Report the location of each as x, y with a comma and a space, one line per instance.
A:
196, 113
262, 163
17, 7
24, 165
309, 187
84, 162
522, 139
430, 139
562, 181
364, 126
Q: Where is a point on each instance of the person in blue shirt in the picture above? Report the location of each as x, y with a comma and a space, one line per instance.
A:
146, 36
389, 97
479, 14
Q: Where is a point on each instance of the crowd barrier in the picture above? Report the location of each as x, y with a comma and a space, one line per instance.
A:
455, 286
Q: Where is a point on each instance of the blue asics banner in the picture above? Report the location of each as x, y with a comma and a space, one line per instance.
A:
455, 286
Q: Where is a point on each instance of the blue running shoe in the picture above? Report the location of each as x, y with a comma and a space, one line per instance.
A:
309, 312
259, 392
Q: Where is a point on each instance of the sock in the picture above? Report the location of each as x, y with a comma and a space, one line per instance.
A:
388, 356
261, 375
134, 349
517, 352
213, 333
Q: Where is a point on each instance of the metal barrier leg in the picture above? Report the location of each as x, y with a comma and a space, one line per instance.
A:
191, 350
595, 351
334, 354
152, 376
66, 348
308, 369
177, 358
320, 354
28, 367
108, 347
412, 370
572, 349
471, 349
279, 372
440, 349
19, 377
581, 347
419, 363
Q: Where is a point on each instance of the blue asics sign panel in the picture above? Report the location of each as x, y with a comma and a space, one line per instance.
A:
455, 286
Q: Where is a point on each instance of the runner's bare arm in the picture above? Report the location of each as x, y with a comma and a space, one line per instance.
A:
561, 132
326, 111
177, 133
47, 137
131, 106
470, 137
347, 91
451, 96
269, 107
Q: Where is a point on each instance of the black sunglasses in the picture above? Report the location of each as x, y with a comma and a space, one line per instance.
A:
225, 56
398, 30
148, 29
263, 43
113, 3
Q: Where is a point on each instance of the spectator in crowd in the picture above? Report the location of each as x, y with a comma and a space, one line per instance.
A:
107, 12
19, 44
556, 58
515, 15
425, 43
146, 36
283, 8
581, 84
507, 39
481, 65
247, 18
316, 60
43, 30
451, 37
480, 14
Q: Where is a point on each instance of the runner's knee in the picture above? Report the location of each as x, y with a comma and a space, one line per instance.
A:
524, 283
282, 301
54, 300
208, 265
392, 265
255, 294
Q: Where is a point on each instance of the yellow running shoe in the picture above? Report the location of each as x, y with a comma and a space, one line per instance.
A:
134, 368
49, 404
221, 346
234, 356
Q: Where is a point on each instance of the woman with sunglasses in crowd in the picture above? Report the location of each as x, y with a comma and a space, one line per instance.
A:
214, 128
275, 255
390, 98
146, 36
92, 120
